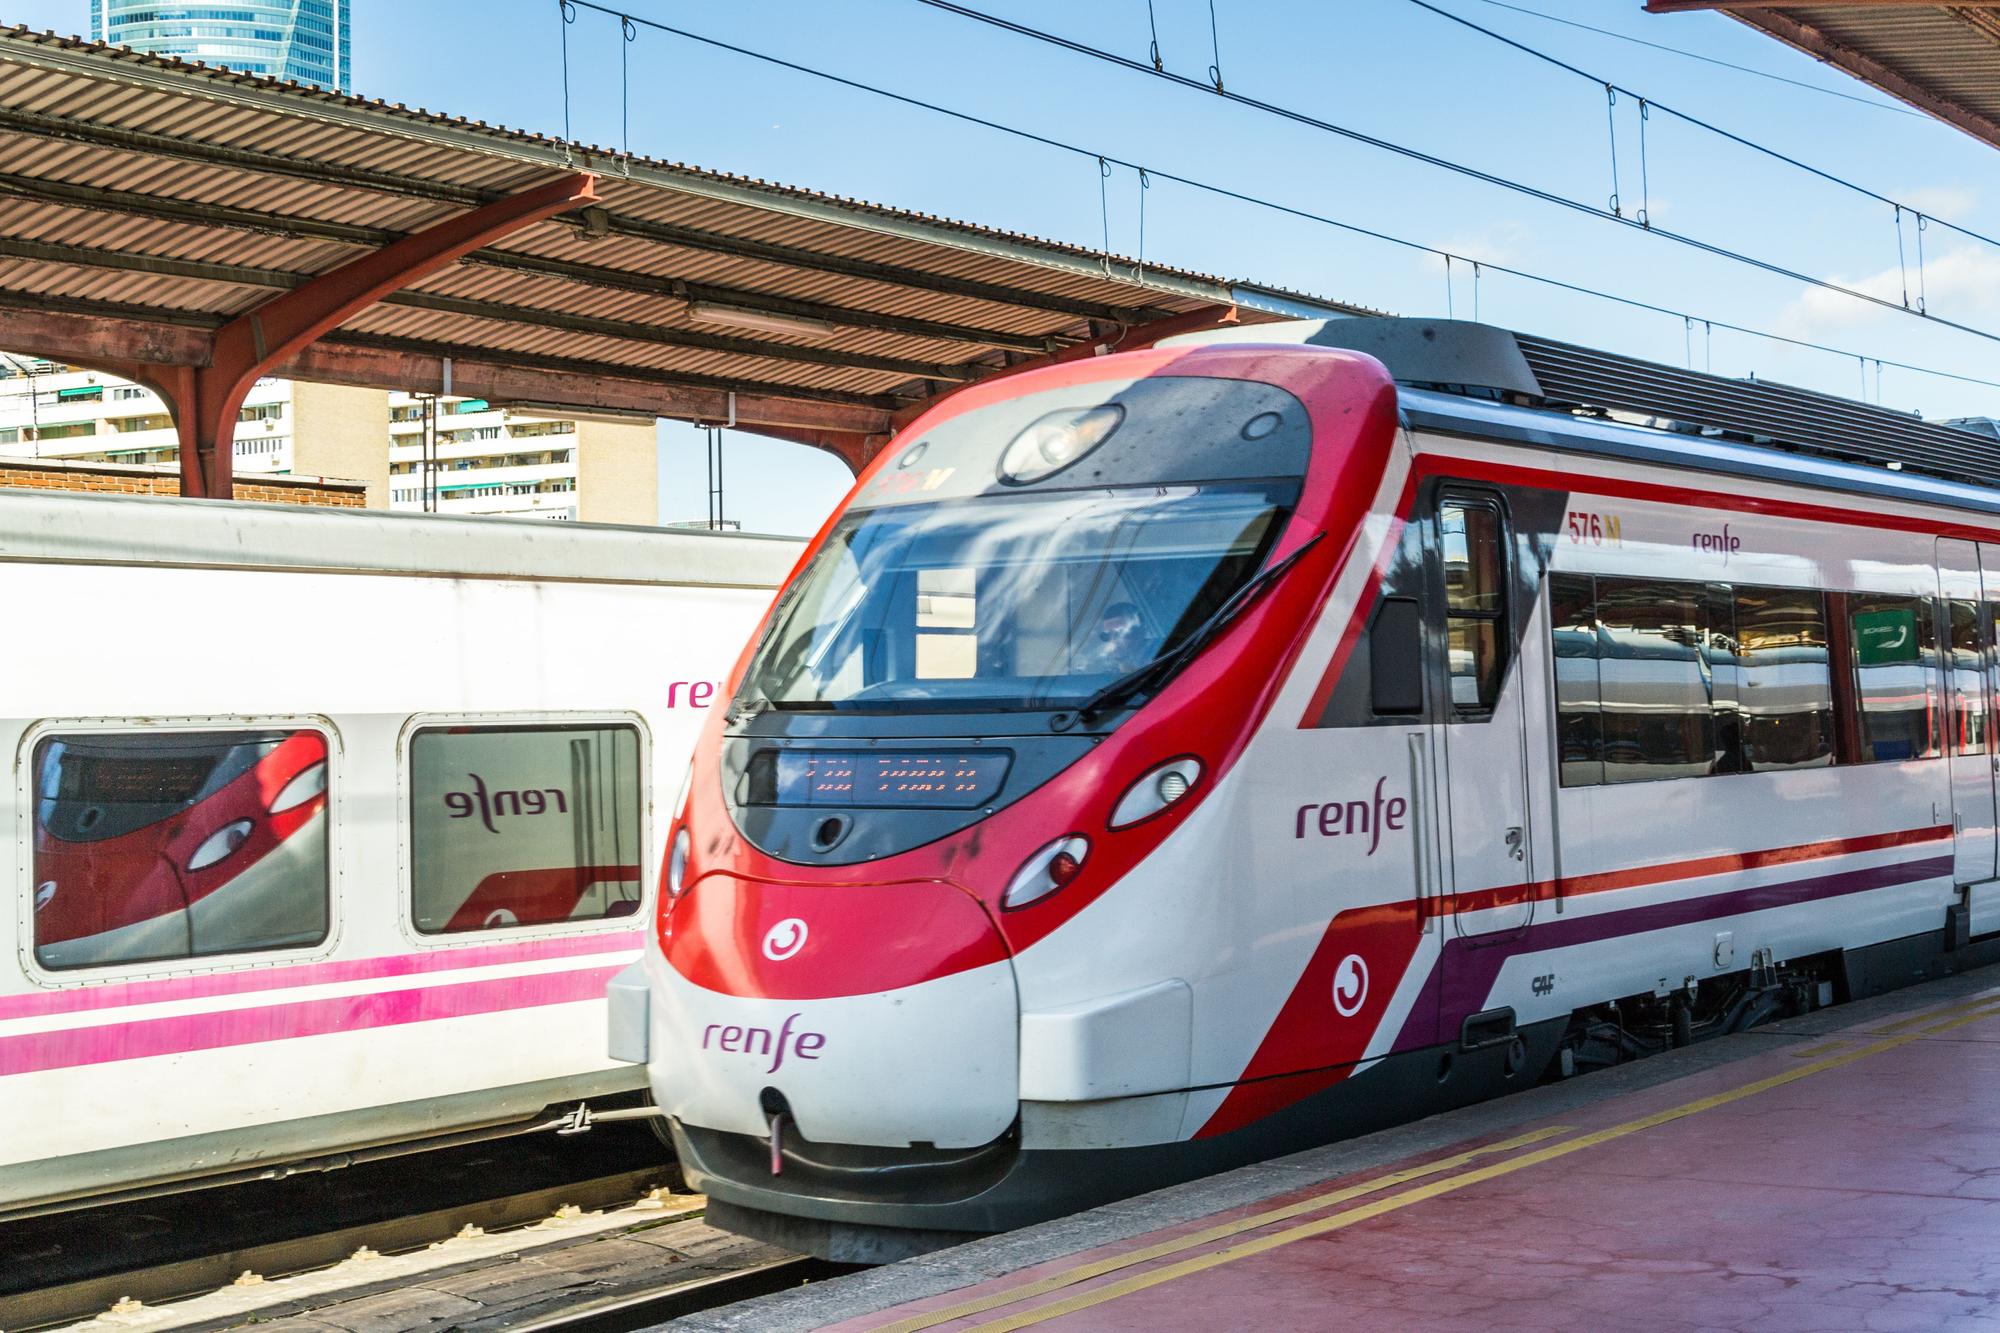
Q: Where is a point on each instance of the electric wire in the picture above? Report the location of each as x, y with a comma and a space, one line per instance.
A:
1716, 249
1707, 60
1225, 192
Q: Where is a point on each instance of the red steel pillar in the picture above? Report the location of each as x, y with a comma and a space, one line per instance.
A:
205, 399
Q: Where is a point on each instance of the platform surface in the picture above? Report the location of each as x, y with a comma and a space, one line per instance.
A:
1839, 1171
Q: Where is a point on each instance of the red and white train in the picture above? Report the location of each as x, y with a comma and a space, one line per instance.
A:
1177, 758
328, 826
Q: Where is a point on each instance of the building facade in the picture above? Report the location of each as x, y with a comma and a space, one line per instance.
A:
451, 455
305, 41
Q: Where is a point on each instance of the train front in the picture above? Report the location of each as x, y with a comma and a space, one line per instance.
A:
1010, 670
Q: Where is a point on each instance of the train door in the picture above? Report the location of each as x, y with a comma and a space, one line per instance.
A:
1963, 591
1485, 739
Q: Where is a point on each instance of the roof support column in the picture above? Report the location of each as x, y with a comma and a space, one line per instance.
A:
207, 398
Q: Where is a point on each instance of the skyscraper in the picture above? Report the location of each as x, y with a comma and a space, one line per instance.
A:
302, 40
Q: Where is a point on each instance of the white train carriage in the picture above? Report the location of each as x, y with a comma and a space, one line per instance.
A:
328, 827
1191, 755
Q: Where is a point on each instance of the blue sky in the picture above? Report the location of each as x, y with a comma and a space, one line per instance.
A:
1385, 67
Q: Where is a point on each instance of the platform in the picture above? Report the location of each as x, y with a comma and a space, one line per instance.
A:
1840, 1170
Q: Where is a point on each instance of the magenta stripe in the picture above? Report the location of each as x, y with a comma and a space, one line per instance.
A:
119, 995
109, 1042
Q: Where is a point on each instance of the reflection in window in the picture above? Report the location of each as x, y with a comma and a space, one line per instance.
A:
1653, 677
1473, 542
1573, 623
522, 826
1895, 660
1785, 686
186, 844
947, 623
1968, 680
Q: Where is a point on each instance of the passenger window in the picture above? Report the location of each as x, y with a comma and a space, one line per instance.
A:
1895, 661
1655, 701
1473, 541
178, 844
1785, 684
1573, 622
523, 825
1968, 674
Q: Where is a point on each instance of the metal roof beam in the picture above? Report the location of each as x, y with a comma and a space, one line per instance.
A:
691, 238
628, 330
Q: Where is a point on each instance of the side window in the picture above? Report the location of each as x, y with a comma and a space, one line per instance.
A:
178, 844
1473, 541
1657, 708
1573, 625
1785, 686
1895, 666
1968, 674
523, 825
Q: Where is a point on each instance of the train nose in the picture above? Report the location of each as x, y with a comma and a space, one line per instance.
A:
882, 1015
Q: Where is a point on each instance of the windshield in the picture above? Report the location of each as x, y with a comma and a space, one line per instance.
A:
1008, 602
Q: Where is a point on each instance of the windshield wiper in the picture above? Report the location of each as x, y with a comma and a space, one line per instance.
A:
1171, 660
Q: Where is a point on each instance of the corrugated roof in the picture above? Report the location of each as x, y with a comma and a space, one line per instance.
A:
1944, 59
139, 188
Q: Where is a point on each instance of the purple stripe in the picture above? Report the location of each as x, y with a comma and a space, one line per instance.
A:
1461, 980
118, 995
109, 1042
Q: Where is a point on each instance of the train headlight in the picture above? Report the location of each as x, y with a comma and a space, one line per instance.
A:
220, 844
1051, 443
1046, 871
1156, 791
677, 864
309, 783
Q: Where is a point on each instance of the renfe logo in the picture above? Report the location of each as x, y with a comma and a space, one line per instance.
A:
527, 801
785, 939
1723, 543
762, 1041
1350, 985
1338, 818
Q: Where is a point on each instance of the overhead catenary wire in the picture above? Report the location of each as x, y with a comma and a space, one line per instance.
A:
1225, 192
1470, 172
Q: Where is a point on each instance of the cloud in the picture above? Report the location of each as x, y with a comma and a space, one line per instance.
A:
1961, 285
1952, 202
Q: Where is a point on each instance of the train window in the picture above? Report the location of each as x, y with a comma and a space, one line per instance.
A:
1894, 650
178, 844
523, 825
1656, 708
947, 623
1785, 682
1573, 624
1473, 538
1968, 679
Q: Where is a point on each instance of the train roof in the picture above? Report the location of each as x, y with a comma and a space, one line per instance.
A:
1476, 379
68, 528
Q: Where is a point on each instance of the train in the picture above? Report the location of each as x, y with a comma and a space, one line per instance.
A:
1177, 758
329, 826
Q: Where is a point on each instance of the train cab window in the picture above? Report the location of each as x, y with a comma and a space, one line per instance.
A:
1784, 680
947, 623
1969, 705
1894, 651
160, 845
523, 825
1473, 540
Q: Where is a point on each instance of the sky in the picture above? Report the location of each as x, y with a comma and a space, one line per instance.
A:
1387, 68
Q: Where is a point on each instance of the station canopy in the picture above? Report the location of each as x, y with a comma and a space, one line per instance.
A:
1940, 58
196, 227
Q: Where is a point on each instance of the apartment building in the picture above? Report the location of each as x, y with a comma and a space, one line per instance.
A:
467, 456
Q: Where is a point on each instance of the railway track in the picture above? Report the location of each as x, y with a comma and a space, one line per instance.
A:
311, 1242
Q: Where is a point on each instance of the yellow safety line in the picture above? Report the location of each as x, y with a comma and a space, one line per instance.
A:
1208, 1236
1140, 1282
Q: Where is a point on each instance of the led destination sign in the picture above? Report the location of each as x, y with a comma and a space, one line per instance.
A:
942, 779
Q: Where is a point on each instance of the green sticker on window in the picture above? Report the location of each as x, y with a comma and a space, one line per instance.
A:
1884, 637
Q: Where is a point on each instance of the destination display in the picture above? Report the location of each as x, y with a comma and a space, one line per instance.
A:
944, 779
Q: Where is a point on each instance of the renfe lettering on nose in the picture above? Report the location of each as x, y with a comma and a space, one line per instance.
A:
527, 801
1340, 818
762, 1041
